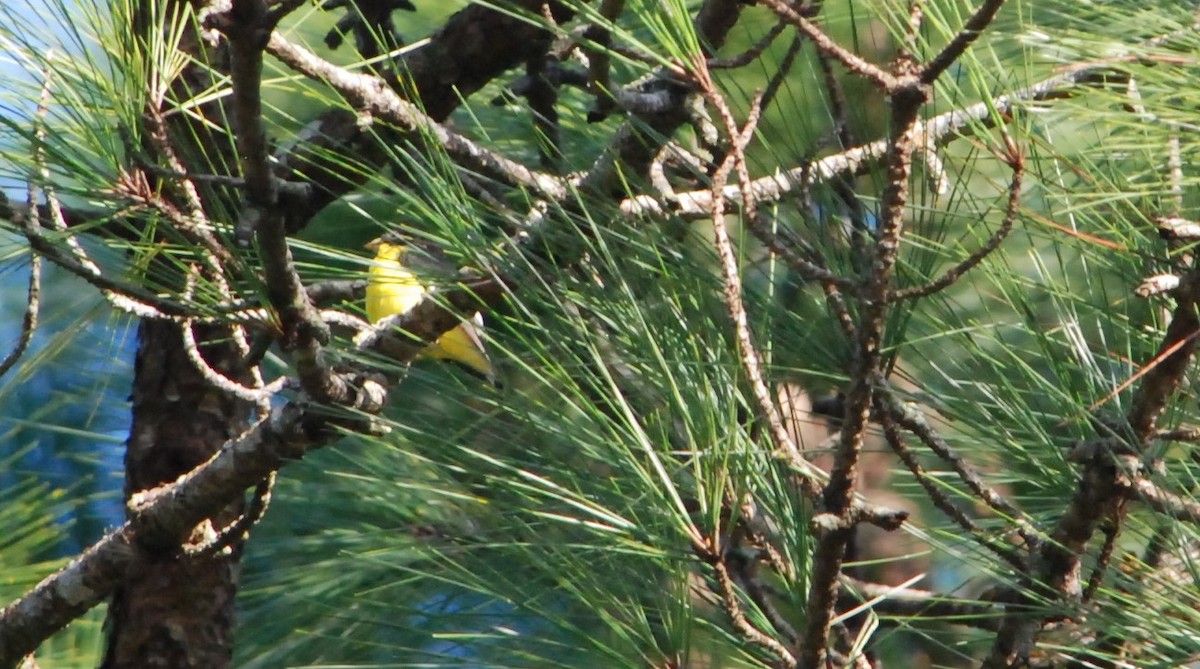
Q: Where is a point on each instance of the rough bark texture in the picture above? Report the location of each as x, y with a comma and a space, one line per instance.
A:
474, 47
176, 613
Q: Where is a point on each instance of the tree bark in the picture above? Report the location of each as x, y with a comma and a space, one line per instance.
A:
178, 612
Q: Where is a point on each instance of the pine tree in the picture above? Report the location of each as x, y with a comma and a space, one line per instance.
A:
828, 334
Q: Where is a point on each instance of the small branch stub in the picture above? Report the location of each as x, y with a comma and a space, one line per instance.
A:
1159, 283
1174, 228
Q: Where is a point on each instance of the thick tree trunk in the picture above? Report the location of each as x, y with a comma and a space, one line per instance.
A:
178, 613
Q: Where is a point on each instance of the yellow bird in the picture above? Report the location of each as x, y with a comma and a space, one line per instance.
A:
393, 289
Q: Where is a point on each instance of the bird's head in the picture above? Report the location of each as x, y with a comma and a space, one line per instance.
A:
388, 246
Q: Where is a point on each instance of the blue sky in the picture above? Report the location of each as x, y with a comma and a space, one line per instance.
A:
66, 399
40, 23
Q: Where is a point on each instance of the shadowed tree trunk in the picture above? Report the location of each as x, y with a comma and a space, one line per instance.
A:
178, 612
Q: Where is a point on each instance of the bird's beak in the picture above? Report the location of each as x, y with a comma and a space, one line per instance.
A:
373, 245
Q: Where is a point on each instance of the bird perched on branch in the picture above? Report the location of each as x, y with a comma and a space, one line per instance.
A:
392, 288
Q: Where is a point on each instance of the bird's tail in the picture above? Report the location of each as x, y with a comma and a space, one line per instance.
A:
464, 345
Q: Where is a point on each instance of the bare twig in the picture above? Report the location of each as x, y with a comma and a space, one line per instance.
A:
733, 608
1188, 434
372, 94
756, 527
919, 604
1155, 285
751, 361
542, 96
474, 46
1175, 228
838, 109
1149, 569
281, 10
239, 529
1176, 506
1110, 532
330, 292
29, 321
33, 299
1175, 166
1167, 373
217, 179
837, 303
966, 36
553, 72
260, 396
674, 154
911, 419
749, 55
939, 498
806, 262
912, 32
843, 184
343, 319
752, 585
714, 554
302, 328
194, 222
598, 43
125, 297
772, 188
826, 45
935, 170
795, 252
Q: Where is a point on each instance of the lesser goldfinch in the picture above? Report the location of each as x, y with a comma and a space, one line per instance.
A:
393, 289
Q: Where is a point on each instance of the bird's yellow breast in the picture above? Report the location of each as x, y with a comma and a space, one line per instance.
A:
391, 289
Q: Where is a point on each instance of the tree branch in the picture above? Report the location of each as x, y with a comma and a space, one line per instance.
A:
1017, 163
966, 36
246, 24
370, 93
1103, 491
163, 517
476, 45
940, 128
826, 45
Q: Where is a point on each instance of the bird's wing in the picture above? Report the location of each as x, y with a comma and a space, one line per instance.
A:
464, 344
